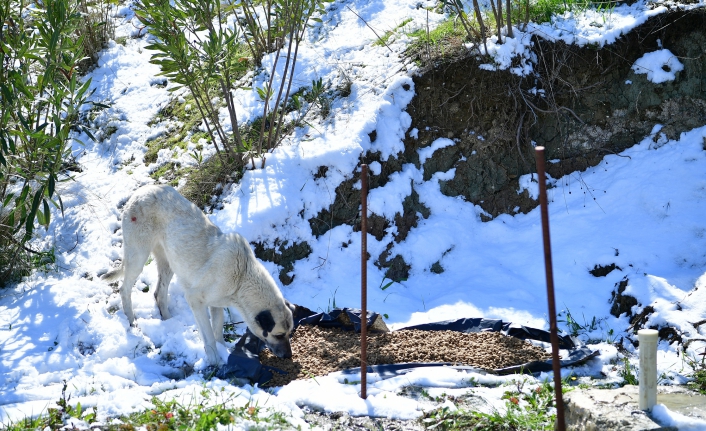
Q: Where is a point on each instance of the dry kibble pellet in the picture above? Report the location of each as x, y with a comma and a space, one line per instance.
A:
318, 351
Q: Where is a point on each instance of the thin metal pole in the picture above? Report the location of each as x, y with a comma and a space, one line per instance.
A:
364, 282
554, 337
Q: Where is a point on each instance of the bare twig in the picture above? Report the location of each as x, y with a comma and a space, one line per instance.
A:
517, 138
368, 25
699, 323
555, 110
509, 18
470, 31
479, 17
497, 21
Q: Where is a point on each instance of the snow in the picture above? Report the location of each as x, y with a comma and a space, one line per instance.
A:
659, 66
641, 210
673, 419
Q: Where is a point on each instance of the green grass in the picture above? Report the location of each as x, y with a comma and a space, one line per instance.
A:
448, 30
699, 375
208, 414
699, 382
187, 121
186, 132
542, 10
171, 415
451, 32
442, 41
524, 410
202, 183
628, 373
54, 417
587, 328
385, 38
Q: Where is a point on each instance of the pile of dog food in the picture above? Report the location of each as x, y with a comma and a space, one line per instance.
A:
318, 351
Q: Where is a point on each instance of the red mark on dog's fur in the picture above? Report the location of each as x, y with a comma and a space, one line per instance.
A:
134, 219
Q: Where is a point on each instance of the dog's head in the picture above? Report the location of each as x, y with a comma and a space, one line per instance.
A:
274, 326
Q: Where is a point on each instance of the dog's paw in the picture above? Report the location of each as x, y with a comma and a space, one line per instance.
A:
210, 372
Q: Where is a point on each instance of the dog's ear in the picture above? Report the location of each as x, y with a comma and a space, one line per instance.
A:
291, 306
266, 322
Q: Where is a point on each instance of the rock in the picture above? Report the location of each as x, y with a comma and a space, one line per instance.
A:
613, 409
344, 421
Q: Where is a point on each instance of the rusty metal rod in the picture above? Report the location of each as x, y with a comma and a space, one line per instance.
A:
364, 281
554, 337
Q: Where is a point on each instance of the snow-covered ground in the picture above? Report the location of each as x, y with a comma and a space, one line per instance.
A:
642, 210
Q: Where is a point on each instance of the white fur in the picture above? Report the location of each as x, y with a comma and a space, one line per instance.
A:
216, 270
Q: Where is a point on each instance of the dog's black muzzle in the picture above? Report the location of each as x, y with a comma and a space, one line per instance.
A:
282, 349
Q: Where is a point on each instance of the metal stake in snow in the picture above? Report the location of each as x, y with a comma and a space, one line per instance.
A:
364, 281
648, 368
539, 155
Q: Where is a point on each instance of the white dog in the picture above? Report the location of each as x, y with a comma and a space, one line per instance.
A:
216, 270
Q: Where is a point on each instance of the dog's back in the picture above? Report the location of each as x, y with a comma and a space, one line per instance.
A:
160, 217
158, 210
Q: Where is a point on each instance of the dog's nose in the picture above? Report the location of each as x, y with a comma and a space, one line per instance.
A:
283, 351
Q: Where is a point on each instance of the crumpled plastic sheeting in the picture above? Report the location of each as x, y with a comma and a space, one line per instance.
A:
244, 362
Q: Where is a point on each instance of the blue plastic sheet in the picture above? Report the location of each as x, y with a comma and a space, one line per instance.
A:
244, 362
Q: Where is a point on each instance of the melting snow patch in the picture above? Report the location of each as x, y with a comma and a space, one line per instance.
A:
660, 66
426, 152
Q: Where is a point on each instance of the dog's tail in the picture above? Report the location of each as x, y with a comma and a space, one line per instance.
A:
113, 275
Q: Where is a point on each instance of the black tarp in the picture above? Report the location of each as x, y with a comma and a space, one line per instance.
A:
244, 362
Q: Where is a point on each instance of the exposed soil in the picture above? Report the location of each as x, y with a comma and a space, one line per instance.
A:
581, 103
283, 254
318, 351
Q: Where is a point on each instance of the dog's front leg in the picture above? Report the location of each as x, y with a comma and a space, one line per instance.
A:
200, 311
217, 323
165, 275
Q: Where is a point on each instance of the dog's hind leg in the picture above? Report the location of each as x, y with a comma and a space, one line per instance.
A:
133, 260
217, 323
165, 276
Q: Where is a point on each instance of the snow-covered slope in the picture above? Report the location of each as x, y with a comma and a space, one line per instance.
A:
641, 210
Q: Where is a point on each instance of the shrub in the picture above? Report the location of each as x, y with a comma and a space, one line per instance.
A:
96, 28
40, 99
198, 48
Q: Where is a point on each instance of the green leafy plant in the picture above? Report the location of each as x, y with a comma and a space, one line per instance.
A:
205, 415
627, 372
384, 285
524, 410
56, 416
586, 328
332, 302
285, 23
480, 23
388, 35
698, 376
40, 104
96, 28
44, 260
197, 48
575, 328
307, 98
209, 414
699, 382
